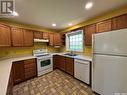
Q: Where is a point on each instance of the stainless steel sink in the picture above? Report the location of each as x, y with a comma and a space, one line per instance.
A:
69, 54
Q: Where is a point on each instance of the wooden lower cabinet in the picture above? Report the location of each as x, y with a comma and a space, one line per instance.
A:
64, 63
18, 72
61, 63
69, 65
55, 61
23, 70
30, 68
10, 84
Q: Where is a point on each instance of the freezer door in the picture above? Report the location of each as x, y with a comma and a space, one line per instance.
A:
109, 74
114, 42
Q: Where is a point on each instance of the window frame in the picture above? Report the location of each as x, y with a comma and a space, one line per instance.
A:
67, 40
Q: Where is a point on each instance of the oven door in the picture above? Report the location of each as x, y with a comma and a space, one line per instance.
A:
44, 63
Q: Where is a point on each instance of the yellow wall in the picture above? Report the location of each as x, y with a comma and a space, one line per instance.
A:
88, 49
14, 51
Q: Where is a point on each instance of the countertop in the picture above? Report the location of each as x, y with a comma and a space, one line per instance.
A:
80, 57
5, 68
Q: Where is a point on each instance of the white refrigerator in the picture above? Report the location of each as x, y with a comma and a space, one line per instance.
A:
109, 69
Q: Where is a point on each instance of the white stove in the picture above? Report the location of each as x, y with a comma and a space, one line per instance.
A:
44, 61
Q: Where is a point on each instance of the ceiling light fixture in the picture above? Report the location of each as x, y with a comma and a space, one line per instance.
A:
54, 24
70, 24
89, 5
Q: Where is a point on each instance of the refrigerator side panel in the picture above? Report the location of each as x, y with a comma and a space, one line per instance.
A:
114, 42
109, 74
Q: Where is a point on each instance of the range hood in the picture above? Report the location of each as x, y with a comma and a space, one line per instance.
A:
41, 40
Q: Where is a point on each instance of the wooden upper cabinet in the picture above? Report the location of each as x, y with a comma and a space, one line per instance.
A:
104, 26
119, 22
28, 37
63, 38
89, 30
5, 35
38, 35
17, 36
45, 35
51, 39
57, 39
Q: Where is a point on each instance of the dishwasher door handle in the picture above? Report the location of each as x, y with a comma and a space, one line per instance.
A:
82, 63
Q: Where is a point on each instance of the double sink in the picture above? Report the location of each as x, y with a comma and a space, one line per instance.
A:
69, 54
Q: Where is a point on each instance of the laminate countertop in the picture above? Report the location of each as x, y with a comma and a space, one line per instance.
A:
80, 57
5, 68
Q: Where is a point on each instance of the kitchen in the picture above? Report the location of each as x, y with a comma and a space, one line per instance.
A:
70, 53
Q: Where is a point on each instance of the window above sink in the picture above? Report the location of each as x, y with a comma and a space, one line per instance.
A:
74, 41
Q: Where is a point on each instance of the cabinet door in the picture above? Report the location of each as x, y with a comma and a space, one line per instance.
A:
103, 26
30, 68
51, 38
10, 84
55, 61
18, 72
89, 30
63, 38
62, 63
5, 33
45, 35
57, 39
38, 35
70, 65
17, 37
28, 37
119, 22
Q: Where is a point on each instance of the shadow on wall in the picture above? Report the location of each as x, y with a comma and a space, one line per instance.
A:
14, 51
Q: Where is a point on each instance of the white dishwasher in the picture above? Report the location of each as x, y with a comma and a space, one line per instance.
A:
82, 70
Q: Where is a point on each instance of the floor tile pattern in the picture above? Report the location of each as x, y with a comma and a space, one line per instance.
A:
54, 83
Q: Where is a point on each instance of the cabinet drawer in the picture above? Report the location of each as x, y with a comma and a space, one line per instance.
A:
30, 69
29, 65
29, 61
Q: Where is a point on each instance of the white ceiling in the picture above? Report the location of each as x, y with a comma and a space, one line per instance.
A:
61, 12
